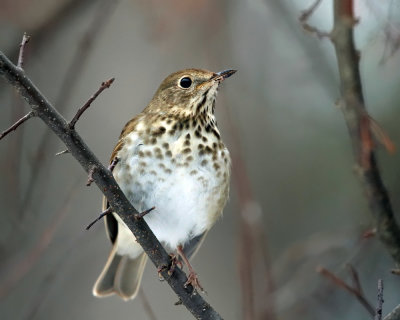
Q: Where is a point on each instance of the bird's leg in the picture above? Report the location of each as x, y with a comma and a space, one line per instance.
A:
174, 262
192, 277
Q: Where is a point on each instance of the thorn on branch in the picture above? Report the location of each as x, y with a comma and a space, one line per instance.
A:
62, 152
25, 40
356, 292
104, 213
378, 313
90, 176
113, 164
142, 214
81, 110
17, 124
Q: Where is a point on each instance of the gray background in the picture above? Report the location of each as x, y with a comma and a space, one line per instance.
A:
277, 114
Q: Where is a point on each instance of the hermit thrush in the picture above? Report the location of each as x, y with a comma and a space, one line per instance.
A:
171, 158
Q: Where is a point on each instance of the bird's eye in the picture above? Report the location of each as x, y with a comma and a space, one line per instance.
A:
185, 82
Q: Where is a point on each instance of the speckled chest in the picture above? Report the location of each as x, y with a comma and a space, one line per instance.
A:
182, 169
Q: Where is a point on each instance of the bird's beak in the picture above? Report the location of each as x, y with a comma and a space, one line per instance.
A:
220, 76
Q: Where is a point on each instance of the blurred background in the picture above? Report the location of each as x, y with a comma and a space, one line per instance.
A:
295, 202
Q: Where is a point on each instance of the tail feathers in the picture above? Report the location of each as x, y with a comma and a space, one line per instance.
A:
121, 275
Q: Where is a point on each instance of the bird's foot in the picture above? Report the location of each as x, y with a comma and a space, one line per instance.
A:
193, 280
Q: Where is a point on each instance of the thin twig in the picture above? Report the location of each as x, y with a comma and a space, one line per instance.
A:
103, 214
378, 313
354, 291
359, 127
17, 124
25, 40
355, 278
81, 110
146, 305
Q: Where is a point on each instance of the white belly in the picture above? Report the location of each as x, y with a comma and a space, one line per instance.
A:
188, 194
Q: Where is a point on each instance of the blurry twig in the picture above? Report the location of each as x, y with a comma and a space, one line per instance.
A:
18, 269
74, 71
252, 240
378, 312
359, 126
355, 291
146, 305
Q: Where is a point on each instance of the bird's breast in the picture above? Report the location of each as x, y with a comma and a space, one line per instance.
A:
184, 175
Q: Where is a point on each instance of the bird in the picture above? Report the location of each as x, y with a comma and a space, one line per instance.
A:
171, 157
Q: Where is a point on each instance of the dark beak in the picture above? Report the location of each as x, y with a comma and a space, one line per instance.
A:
220, 76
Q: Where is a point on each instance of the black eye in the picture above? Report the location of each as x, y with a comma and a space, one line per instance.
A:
185, 82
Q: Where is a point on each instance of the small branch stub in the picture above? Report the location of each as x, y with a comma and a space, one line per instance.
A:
113, 164
142, 214
104, 213
81, 110
90, 176
25, 40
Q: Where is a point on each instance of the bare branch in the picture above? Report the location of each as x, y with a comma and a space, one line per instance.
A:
90, 176
354, 291
108, 186
81, 110
17, 124
359, 126
378, 313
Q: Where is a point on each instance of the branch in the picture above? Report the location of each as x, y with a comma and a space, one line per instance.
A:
378, 313
81, 110
359, 126
356, 292
107, 184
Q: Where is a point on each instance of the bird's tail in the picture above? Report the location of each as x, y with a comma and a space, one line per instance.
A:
121, 275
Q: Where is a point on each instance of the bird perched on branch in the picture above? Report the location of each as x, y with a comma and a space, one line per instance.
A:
171, 157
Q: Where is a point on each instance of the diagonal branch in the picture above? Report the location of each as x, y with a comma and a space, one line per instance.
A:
355, 291
17, 124
81, 110
107, 184
359, 126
